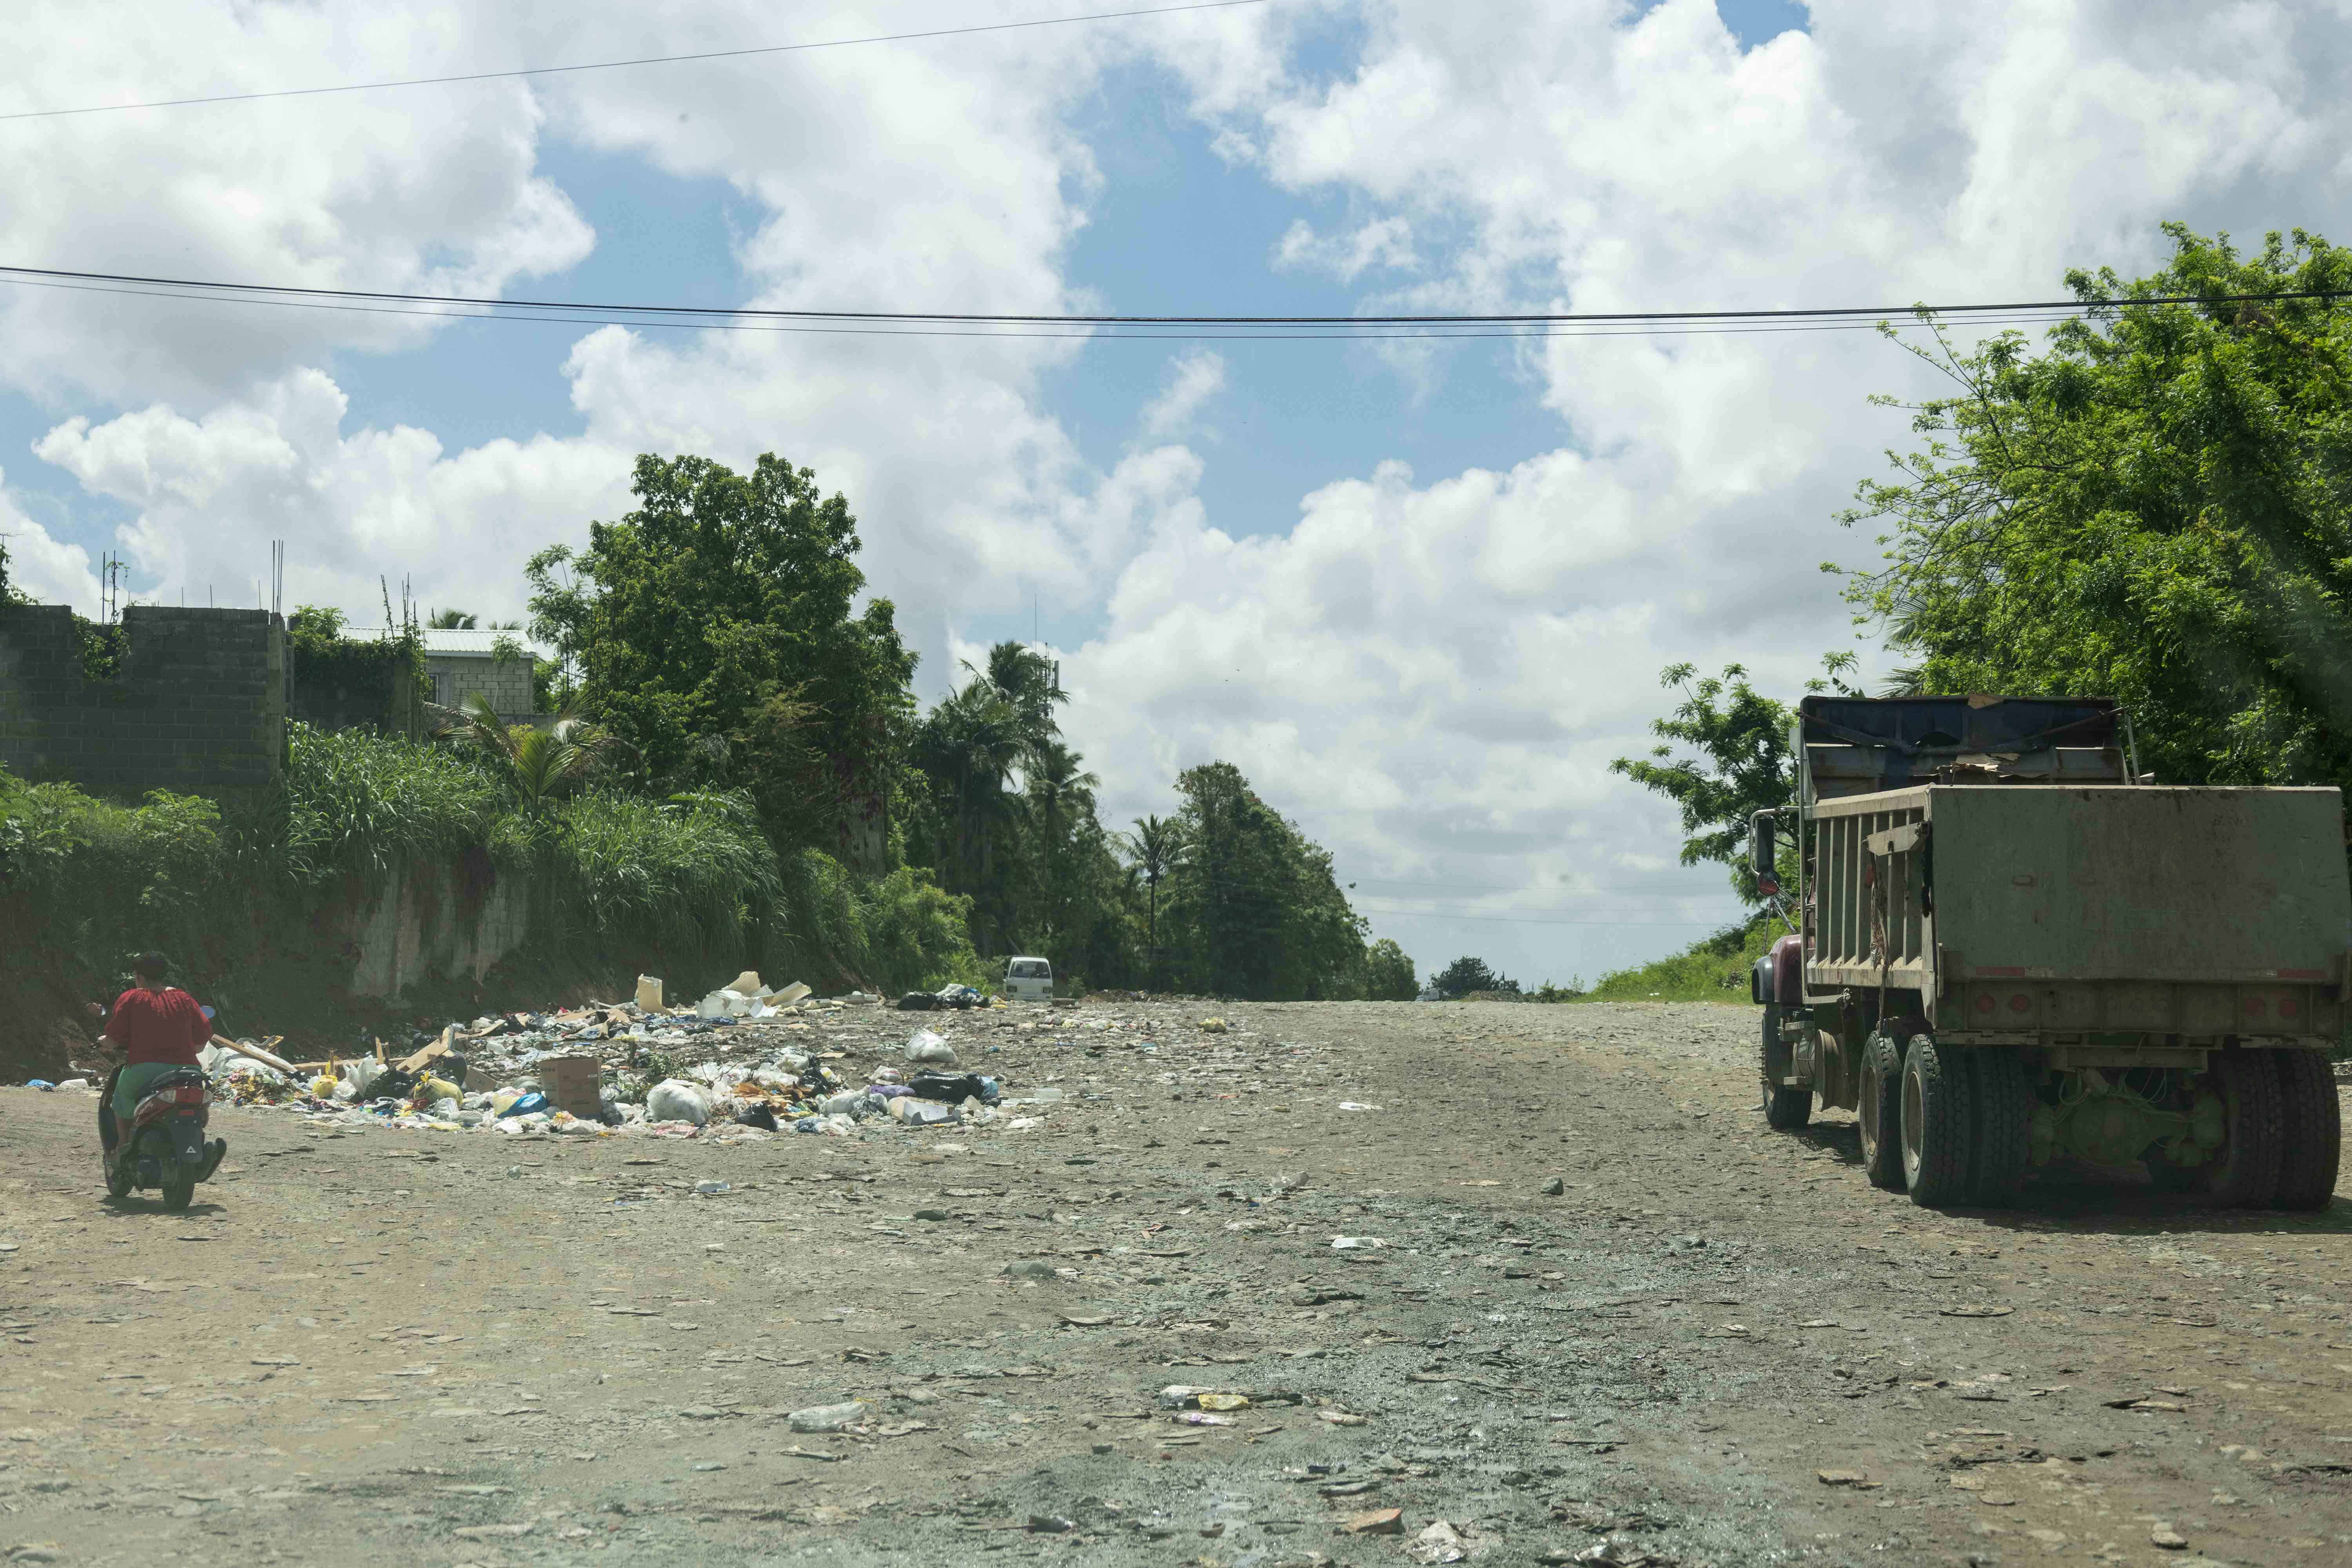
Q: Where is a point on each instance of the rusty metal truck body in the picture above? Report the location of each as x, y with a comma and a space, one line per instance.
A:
2014, 952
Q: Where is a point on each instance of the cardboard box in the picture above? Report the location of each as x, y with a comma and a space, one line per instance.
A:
573, 1084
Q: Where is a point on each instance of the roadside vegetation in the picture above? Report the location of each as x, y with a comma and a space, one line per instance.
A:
730, 769
2152, 506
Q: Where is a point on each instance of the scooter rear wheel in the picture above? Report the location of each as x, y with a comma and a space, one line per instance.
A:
178, 1191
117, 1180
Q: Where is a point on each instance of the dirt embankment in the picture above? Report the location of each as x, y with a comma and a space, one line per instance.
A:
1712, 1344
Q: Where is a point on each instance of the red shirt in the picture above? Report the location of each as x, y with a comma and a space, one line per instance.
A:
158, 1027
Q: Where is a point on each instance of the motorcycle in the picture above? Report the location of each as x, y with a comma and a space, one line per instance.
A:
164, 1145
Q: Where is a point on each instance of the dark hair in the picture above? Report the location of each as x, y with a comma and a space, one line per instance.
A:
151, 966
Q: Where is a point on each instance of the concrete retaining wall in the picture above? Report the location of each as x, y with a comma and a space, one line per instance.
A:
434, 922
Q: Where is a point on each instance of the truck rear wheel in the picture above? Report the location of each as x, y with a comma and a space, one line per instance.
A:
2311, 1125
2004, 1122
1881, 1112
2245, 1173
1784, 1108
1938, 1124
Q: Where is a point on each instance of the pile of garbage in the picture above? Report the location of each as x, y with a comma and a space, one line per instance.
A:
618, 1068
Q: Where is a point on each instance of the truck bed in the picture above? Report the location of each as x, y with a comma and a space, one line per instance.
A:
2025, 911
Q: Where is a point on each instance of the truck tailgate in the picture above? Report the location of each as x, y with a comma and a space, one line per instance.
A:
2142, 883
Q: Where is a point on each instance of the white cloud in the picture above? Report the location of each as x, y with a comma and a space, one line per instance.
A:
1384, 242
210, 493
1197, 375
1434, 673
40, 565
411, 191
1431, 670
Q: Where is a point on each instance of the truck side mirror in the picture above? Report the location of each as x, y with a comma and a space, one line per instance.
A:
1761, 848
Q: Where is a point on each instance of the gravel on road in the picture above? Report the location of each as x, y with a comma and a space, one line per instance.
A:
1345, 1283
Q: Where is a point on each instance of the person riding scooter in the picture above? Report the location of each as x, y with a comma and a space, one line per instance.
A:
159, 1029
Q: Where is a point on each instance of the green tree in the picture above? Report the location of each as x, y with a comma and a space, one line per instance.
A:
452, 621
1253, 908
715, 630
538, 765
1743, 765
967, 748
1468, 974
1061, 795
1389, 974
2154, 507
1153, 848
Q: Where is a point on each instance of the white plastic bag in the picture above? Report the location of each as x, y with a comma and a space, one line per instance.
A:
826, 1417
671, 1101
928, 1050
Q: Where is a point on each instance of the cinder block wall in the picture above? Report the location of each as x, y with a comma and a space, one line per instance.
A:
200, 708
507, 684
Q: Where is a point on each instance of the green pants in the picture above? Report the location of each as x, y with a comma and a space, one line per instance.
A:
131, 1086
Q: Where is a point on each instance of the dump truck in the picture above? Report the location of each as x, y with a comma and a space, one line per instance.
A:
2013, 952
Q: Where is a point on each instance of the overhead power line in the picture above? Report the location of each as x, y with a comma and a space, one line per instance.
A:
1528, 921
958, 323
620, 318
621, 65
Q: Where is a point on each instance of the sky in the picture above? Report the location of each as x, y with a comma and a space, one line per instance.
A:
1420, 594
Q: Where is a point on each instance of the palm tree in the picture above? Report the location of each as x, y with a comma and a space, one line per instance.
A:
1058, 790
971, 743
1154, 846
538, 765
453, 621
1027, 682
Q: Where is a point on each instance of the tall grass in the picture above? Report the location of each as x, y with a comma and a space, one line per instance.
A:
100, 881
359, 803
1713, 969
693, 875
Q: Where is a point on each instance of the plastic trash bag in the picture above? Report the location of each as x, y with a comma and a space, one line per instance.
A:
673, 1100
826, 1417
929, 1049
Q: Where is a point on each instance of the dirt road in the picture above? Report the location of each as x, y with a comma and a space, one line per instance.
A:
1713, 1345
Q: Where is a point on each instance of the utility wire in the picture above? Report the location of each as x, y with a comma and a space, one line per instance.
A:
620, 65
1816, 313
1090, 334
1522, 920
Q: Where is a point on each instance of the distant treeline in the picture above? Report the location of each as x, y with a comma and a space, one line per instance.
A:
730, 767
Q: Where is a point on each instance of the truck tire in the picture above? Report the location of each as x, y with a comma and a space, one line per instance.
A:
1880, 1109
1939, 1121
1784, 1108
2311, 1125
2004, 1122
2245, 1173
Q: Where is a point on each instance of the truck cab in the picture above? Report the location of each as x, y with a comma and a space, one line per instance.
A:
1028, 980
2014, 950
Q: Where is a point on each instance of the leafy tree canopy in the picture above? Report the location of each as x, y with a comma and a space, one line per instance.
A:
1466, 974
715, 629
1742, 762
1389, 972
2153, 507
1253, 907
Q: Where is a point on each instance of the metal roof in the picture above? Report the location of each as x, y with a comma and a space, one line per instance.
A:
442, 643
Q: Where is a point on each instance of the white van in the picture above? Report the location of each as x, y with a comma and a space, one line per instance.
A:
1028, 980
